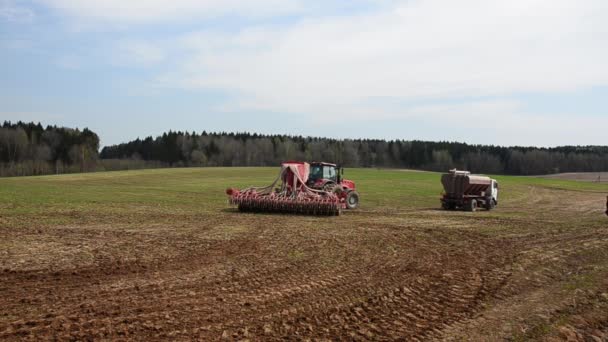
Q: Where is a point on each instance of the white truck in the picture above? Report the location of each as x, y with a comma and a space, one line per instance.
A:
462, 190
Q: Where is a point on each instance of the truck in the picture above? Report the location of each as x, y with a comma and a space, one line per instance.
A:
465, 191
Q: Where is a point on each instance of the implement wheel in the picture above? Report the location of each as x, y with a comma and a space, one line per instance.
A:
352, 200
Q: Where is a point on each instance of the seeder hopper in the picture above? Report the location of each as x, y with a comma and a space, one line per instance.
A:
300, 188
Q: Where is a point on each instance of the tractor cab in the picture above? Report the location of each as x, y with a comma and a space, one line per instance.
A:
323, 173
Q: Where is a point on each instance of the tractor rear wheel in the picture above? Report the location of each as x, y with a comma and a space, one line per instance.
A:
333, 188
352, 200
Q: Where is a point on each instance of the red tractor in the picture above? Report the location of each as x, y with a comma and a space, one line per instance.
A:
301, 188
328, 177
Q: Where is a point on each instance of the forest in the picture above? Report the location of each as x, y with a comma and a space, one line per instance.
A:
31, 149
245, 149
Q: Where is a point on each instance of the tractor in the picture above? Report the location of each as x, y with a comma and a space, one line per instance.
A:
329, 177
317, 188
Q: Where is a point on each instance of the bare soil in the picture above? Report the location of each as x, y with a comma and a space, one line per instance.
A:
367, 275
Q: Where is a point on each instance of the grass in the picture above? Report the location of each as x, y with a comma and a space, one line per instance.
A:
198, 190
180, 197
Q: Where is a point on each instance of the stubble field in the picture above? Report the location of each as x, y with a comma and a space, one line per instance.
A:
158, 254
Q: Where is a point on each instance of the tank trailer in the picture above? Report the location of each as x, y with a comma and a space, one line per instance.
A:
462, 190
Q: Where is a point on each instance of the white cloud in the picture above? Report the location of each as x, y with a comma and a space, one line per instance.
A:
136, 53
15, 44
71, 62
11, 12
140, 11
508, 123
503, 122
373, 65
424, 49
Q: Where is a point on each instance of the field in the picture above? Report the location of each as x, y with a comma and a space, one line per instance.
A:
582, 176
159, 255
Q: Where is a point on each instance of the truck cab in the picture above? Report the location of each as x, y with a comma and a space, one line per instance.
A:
494, 191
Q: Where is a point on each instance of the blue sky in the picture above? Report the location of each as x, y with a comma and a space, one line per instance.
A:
522, 72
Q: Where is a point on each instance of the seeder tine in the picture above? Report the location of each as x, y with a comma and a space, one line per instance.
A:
304, 203
287, 206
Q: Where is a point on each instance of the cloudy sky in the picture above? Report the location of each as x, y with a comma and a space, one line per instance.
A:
518, 72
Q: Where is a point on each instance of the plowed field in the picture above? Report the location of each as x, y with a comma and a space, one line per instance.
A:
159, 255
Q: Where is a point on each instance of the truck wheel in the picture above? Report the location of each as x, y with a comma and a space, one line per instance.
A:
472, 205
448, 206
490, 204
352, 200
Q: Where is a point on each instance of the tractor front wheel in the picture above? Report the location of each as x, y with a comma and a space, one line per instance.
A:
352, 200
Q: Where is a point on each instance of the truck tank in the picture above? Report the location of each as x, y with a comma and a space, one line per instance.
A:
459, 183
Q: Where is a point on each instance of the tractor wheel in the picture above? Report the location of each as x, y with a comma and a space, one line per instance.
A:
352, 200
472, 205
329, 187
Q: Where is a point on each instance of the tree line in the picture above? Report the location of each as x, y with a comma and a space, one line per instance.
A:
178, 149
31, 149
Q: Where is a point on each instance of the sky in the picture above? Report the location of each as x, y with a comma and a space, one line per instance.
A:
518, 72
